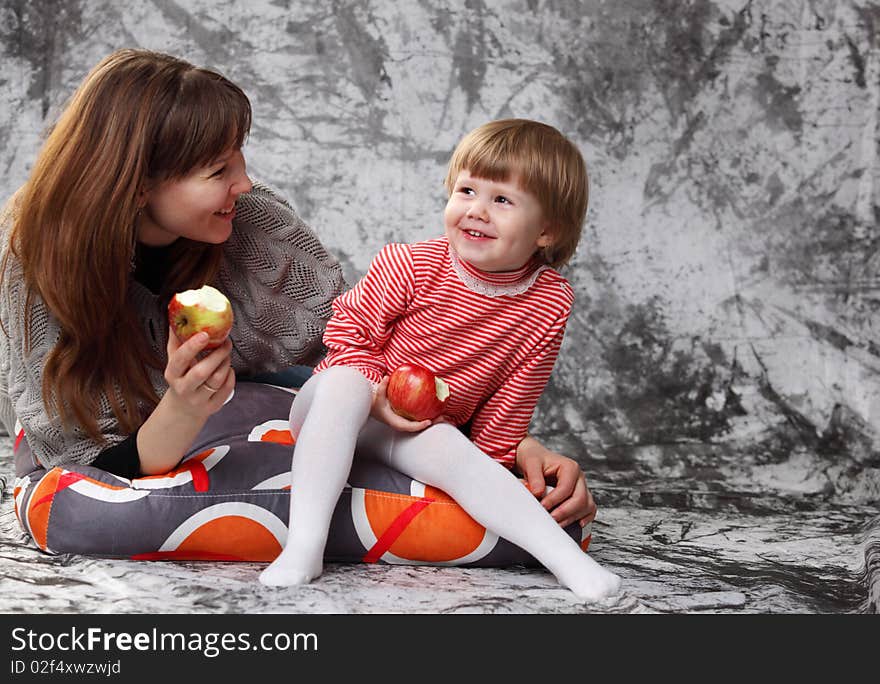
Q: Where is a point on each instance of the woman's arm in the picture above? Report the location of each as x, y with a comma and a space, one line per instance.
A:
281, 282
197, 388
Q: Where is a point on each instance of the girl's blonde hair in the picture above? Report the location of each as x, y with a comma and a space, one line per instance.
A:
139, 118
543, 162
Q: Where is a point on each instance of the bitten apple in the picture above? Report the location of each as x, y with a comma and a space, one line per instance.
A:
416, 393
203, 310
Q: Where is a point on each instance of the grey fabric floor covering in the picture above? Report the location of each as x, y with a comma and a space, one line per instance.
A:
690, 528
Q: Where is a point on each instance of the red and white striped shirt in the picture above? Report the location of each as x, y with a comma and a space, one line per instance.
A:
493, 337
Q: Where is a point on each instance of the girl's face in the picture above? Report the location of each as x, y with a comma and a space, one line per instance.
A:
494, 225
200, 206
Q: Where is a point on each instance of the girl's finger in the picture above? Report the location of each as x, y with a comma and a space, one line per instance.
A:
533, 473
590, 517
565, 513
400, 423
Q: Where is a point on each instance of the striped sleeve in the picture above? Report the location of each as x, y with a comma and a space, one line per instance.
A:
501, 423
364, 317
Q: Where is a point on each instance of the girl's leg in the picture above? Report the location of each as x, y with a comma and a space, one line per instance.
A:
325, 420
443, 457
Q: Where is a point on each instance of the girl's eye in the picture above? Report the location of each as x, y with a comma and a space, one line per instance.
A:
218, 172
501, 199
466, 190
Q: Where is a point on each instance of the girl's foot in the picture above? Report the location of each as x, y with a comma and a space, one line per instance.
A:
293, 567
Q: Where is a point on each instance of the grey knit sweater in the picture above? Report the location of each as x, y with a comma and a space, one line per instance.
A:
276, 273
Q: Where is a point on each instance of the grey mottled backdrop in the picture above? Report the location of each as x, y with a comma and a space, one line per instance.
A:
728, 300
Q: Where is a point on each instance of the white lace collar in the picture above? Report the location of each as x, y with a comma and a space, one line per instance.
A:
495, 284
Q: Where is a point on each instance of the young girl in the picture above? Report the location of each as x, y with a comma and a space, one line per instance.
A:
483, 308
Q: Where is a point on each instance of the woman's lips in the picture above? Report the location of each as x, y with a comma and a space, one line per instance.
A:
226, 215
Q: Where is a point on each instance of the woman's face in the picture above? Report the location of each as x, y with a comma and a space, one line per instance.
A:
200, 206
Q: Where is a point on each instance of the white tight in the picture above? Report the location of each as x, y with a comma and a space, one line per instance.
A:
330, 422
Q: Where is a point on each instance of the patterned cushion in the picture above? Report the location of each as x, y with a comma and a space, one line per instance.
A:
229, 499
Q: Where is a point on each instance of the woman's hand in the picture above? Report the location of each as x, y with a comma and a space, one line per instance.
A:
382, 411
198, 386
570, 498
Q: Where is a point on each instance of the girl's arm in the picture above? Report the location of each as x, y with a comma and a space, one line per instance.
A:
363, 318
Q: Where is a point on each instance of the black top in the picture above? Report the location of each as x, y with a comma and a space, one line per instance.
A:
151, 266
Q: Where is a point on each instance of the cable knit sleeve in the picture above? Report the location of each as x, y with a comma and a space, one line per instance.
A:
502, 421
280, 280
363, 318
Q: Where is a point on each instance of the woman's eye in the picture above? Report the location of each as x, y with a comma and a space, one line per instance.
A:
218, 172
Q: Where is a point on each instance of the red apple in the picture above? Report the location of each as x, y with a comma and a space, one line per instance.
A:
203, 310
414, 392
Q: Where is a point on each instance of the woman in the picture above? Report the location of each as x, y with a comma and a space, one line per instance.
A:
132, 199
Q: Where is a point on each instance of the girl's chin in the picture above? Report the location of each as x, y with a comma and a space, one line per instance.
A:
477, 261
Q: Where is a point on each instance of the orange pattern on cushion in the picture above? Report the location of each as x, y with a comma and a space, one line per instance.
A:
230, 538
441, 531
41, 506
278, 436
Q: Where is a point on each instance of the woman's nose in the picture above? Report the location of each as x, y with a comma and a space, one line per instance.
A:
242, 185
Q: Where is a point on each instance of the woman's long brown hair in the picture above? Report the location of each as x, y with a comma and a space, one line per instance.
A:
139, 118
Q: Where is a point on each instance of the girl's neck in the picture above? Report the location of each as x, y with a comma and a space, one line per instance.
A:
497, 283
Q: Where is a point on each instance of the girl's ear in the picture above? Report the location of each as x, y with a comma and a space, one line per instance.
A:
545, 239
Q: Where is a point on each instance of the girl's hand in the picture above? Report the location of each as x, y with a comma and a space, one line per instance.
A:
382, 411
198, 386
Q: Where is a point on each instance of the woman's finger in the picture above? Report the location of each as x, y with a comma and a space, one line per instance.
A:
219, 397
533, 472
183, 356
565, 488
218, 377
173, 343
202, 370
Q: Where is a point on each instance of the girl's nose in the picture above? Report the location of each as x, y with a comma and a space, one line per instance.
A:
477, 210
